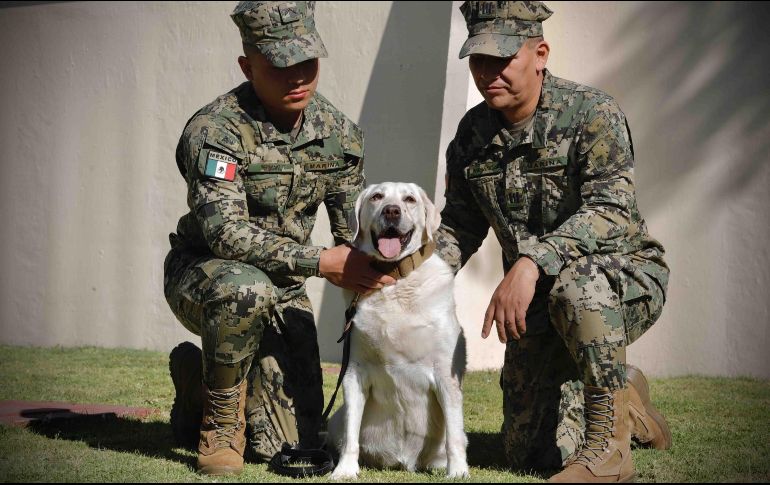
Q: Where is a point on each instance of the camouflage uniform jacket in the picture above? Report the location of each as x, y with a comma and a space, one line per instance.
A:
560, 191
265, 214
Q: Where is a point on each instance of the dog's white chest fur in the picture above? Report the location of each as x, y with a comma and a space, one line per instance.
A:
403, 397
408, 355
397, 327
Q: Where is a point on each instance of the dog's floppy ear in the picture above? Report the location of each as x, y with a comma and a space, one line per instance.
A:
353, 218
432, 215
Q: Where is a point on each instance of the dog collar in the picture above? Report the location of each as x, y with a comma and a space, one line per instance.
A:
403, 267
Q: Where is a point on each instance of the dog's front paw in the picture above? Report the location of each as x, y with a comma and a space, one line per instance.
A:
345, 470
458, 471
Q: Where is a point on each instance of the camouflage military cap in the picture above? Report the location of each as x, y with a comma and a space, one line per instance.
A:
500, 28
283, 31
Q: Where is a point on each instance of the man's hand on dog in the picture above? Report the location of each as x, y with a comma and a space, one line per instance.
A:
349, 268
508, 307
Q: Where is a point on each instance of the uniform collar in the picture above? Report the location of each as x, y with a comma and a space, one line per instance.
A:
315, 126
543, 116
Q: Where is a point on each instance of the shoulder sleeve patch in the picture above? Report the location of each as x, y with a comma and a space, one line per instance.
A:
220, 166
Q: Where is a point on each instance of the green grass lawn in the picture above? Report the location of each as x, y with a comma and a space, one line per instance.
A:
721, 427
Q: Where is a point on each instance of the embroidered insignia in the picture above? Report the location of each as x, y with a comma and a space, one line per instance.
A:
221, 166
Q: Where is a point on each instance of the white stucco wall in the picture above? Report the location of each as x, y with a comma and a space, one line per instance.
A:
95, 96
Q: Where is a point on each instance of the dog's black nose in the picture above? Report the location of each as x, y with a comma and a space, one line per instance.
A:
392, 213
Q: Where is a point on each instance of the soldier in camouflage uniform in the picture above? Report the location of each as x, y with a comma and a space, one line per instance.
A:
258, 161
549, 165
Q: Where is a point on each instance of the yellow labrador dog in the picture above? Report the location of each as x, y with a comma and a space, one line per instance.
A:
403, 398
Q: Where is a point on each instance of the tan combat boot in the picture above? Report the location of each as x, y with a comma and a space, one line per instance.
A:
605, 457
223, 431
650, 428
186, 368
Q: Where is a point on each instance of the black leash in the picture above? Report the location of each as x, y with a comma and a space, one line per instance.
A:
349, 314
286, 462
289, 460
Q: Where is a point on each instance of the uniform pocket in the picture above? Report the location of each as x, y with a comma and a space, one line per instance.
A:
268, 186
319, 176
185, 288
548, 176
485, 178
637, 317
487, 187
641, 301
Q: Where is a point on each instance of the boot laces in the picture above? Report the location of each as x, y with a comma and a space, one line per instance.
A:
224, 407
600, 424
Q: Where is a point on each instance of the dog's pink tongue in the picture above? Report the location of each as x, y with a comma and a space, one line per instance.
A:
389, 246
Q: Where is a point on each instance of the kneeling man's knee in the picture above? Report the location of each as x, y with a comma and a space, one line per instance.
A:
582, 296
241, 306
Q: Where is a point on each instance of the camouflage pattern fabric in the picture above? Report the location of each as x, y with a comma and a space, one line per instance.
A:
561, 193
285, 397
240, 315
500, 28
228, 303
239, 260
597, 306
284, 32
265, 214
542, 408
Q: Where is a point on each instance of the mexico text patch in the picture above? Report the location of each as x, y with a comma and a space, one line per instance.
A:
221, 166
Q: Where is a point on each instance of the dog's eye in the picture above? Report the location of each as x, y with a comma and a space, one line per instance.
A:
376, 197
409, 199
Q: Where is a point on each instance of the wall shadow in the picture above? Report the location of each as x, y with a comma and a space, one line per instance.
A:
401, 118
697, 72
695, 77
406, 95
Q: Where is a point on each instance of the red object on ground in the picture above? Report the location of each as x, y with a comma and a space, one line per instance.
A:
21, 413
331, 369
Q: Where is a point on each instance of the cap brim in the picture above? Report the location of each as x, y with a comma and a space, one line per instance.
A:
496, 45
285, 53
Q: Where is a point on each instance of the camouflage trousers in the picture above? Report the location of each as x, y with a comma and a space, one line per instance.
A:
251, 329
578, 327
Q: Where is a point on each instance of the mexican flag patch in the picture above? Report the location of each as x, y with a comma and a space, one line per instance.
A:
221, 166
